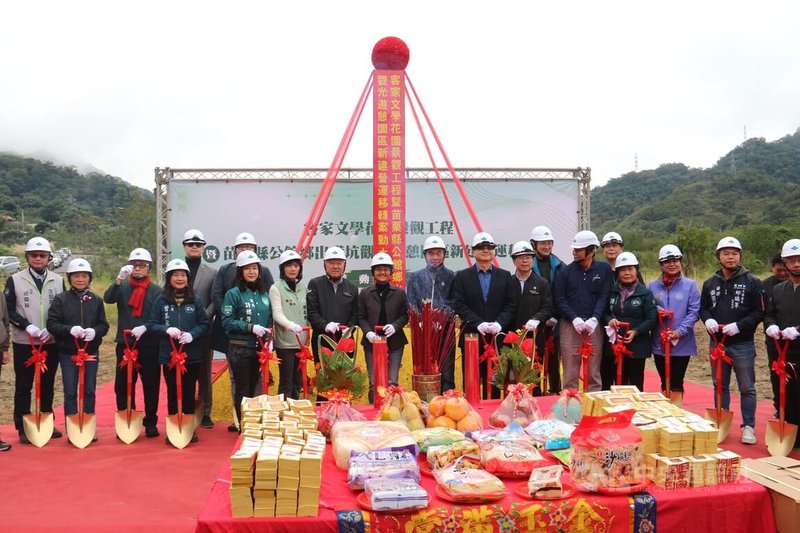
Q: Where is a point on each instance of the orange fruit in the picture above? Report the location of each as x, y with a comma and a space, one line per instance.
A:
442, 422
436, 406
471, 422
456, 408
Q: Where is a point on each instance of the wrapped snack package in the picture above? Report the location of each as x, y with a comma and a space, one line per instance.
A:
513, 458
436, 437
607, 454
545, 482
393, 463
451, 410
441, 456
399, 405
568, 407
392, 494
518, 406
364, 436
469, 484
552, 434
336, 409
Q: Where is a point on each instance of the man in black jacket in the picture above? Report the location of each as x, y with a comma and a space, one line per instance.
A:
484, 297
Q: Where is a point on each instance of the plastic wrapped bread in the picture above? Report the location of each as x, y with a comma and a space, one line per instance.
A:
365, 436
441, 456
384, 464
469, 484
545, 482
391, 494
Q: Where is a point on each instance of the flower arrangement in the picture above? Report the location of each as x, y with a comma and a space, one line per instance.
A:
518, 352
337, 370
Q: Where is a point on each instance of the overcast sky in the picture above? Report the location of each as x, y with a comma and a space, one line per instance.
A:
126, 87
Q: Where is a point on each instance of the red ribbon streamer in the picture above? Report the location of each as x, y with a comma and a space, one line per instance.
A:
620, 350
489, 356
264, 359
665, 318
303, 356
718, 356
38, 359
585, 351
80, 359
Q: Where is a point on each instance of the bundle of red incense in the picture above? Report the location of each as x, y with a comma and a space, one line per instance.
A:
432, 338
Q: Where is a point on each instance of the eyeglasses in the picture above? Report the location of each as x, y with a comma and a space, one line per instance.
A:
140, 265
194, 244
483, 247
35, 255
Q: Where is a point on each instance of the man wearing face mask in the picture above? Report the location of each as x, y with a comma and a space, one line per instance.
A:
134, 295
732, 305
331, 300
29, 294
433, 283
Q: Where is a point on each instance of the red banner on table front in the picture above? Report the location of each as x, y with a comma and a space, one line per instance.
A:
380, 370
472, 375
389, 169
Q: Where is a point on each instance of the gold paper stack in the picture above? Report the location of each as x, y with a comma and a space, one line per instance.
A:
242, 464
728, 464
675, 441
705, 437
704, 470
310, 480
672, 472
266, 477
288, 482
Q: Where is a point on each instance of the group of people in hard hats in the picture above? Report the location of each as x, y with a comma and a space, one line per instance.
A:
586, 304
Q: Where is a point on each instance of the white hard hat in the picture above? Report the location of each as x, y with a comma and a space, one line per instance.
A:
541, 233
626, 259
612, 237
38, 244
245, 238
248, 257
334, 252
729, 242
288, 255
382, 258
667, 251
584, 238
790, 248
433, 242
177, 264
193, 235
521, 248
482, 238
140, 254
79, 265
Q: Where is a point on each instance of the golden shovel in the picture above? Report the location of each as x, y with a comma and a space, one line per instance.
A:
722, 418
38, 426
780, 434
180, 428
127, 422
81, 427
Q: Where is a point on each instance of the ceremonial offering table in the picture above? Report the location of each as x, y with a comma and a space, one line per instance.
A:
743, 506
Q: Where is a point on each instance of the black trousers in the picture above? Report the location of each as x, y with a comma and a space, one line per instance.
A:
205, 387
24, 381
151, 382
243, 363
188, 384
772, 355
608, 366
677, 370
290, 379
633, 372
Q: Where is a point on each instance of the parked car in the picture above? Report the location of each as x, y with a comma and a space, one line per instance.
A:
9, 265
64, 253
55, 262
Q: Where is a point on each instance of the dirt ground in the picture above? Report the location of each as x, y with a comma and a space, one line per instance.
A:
698, 371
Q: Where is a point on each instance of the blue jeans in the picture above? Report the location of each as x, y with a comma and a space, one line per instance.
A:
395, 359
69, 377
743, 356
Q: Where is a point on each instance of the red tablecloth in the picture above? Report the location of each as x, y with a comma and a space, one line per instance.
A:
738, 507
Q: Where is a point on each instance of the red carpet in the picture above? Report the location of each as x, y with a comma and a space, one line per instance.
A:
149, 486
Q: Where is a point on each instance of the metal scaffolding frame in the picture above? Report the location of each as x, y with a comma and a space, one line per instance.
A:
163, 177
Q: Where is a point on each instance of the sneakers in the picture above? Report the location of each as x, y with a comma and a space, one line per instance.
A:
4, 446
23, 438
207, 422
748, 435
150, 432
233, 429
56, 433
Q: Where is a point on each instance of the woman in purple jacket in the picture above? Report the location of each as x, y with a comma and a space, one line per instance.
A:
680, 295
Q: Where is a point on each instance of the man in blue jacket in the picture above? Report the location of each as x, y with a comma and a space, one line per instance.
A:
546, 264
732, 302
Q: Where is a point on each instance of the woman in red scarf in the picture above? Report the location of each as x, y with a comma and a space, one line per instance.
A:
134, 295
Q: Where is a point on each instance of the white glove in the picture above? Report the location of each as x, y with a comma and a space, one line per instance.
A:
773, 332
371, 336
332, 328
388, 330
297, 329
612, 334
552, 322
138, 331
790, 333
174, 332
259, 330
531, 324
578, 324
89, 334
77, 332
495, 328
712, 326
45, 336
33, 331
484, 328
590, 325
185, 338
124, 272
730, 329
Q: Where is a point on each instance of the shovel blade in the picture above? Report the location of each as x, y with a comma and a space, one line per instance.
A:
128, 429
722, 418
81, 435
780, 441
180, 430
39, 433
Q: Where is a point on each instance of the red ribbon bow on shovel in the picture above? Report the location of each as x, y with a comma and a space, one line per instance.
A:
585, 351
718, 356
265, 357
620, 350
130, 355
303, 356
38, 360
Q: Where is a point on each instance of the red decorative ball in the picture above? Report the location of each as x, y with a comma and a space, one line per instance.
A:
390, 53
